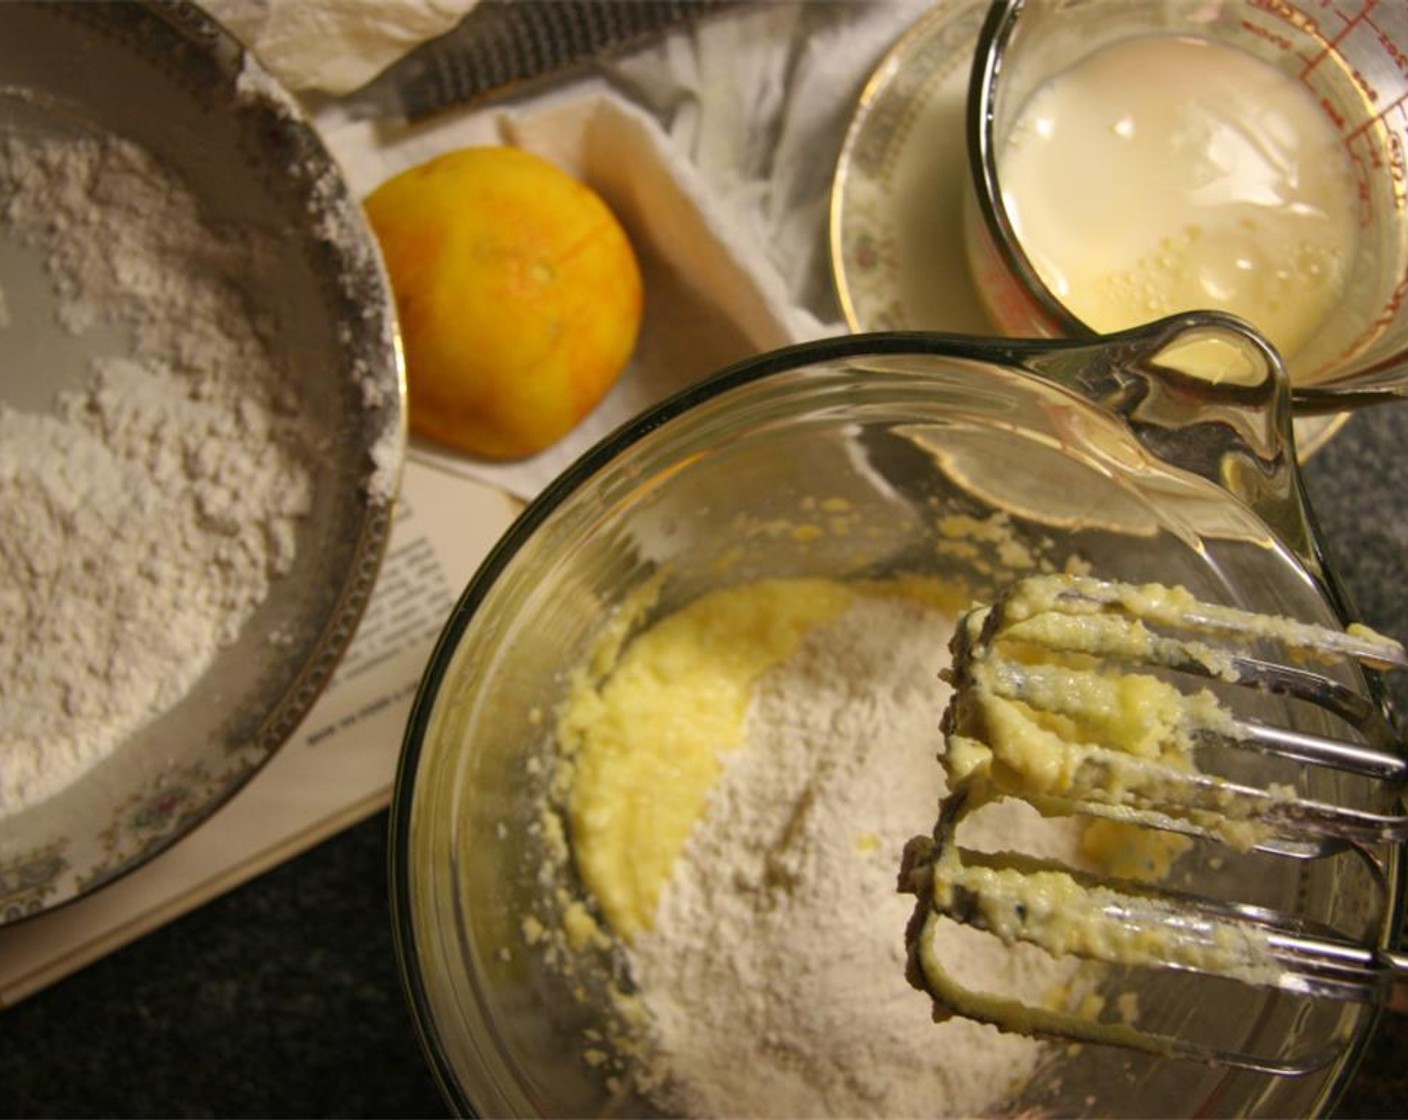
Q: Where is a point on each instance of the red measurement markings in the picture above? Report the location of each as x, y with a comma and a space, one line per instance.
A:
1384, 318
1378, 148
1398, 171
1384, 146
1397, 161
1394, 52
1280, 42
1363, 170
1291, 15
1378, 118
1307, 26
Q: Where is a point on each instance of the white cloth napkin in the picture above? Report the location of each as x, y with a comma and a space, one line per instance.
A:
716, 148
334, 46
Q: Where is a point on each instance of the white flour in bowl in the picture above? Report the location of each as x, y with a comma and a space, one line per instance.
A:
775, 975
772, 979
142, 521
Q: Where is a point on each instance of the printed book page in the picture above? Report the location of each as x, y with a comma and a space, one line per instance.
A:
338, 767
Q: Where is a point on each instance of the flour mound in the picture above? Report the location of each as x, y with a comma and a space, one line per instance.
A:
144, 520
775, 974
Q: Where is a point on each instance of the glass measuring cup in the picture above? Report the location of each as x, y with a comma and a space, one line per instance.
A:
1351, 55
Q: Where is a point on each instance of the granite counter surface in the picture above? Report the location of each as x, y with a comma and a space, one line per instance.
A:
282, 998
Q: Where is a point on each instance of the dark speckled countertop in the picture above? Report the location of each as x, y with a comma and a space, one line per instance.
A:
282, 998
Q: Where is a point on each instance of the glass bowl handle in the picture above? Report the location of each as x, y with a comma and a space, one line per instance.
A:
1204, 392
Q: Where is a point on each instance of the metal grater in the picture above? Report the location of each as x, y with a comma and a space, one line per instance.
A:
503, 44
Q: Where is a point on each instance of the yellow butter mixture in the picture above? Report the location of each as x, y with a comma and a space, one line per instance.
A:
650, 741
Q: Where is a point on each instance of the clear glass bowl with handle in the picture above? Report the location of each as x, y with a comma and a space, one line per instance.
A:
1104, 450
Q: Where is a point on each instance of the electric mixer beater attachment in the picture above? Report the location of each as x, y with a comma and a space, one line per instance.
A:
1142, 705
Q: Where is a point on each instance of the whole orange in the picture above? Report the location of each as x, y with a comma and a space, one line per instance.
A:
518, 294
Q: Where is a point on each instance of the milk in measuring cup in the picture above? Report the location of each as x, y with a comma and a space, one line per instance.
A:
1163, 173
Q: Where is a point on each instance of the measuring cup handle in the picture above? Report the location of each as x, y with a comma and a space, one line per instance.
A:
1204, 392
1378, 386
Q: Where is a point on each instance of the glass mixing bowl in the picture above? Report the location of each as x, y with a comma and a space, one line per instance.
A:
1106, 451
